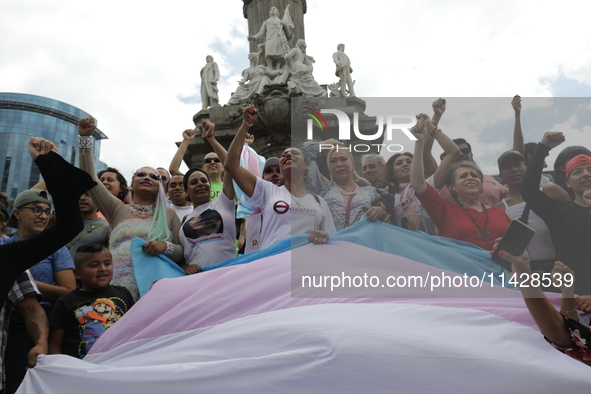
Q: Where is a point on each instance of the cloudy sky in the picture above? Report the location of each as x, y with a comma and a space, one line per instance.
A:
135, 65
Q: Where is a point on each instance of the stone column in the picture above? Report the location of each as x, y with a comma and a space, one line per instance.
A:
257, 11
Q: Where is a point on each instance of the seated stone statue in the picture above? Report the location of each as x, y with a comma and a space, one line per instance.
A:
253, 80
299, 72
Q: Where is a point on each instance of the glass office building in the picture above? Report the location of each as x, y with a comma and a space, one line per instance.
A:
24, 115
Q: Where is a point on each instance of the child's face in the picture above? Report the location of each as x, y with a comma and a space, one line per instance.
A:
96, 271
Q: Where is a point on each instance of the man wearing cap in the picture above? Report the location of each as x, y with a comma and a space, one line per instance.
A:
53, 276
512, 169
30, 216
569, 222
252, 226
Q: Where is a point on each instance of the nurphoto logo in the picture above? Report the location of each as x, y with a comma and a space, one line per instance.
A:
387, 124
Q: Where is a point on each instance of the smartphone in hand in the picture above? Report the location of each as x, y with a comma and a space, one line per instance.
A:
514, 241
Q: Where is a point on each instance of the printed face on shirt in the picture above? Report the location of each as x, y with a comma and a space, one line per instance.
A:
198, 188
372, 170
579, 179
96, 271
401, 168
28, 222
341, 166
208, 223
513, 171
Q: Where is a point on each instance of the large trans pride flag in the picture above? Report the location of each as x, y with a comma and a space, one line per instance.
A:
250, 326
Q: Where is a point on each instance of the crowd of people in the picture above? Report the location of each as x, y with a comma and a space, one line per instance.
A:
81, 280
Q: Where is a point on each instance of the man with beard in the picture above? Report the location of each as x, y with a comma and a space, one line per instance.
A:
95, 228
252, 225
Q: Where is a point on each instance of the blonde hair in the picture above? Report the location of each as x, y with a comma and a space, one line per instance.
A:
336, 149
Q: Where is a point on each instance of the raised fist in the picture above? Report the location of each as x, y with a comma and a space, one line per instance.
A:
552, 139
86, 127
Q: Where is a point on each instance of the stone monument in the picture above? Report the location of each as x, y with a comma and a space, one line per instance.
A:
280, 72
343, 71
210, 75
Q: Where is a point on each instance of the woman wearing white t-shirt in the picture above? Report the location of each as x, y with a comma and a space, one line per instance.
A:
208, 233
288, 209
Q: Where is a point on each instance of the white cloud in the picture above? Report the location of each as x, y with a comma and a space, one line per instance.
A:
127, 63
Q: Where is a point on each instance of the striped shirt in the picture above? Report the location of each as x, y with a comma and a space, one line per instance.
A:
23, 287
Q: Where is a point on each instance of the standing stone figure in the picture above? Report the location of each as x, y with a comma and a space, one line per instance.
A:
277, 33
210, 74
343, 71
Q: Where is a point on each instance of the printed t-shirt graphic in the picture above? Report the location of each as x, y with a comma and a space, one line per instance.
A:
208, 234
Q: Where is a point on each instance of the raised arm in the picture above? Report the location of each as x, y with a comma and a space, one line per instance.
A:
65, 183
175, 164
209, 134
518, 143
449, 147
543, 205
244, 178
107, 203
543, 312
417, 169
429, 161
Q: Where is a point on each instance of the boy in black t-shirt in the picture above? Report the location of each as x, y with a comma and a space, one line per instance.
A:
79, 318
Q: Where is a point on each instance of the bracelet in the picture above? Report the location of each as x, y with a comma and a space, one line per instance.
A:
435, 132
249, 125
563, 311
169, 249
85, 142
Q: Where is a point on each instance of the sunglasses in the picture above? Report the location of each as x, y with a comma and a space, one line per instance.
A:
38, 211
211, 159
144, 174
466, 151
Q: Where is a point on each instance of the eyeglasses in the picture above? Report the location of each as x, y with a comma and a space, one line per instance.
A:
466, 151
211, 159
144, 174
38, 211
